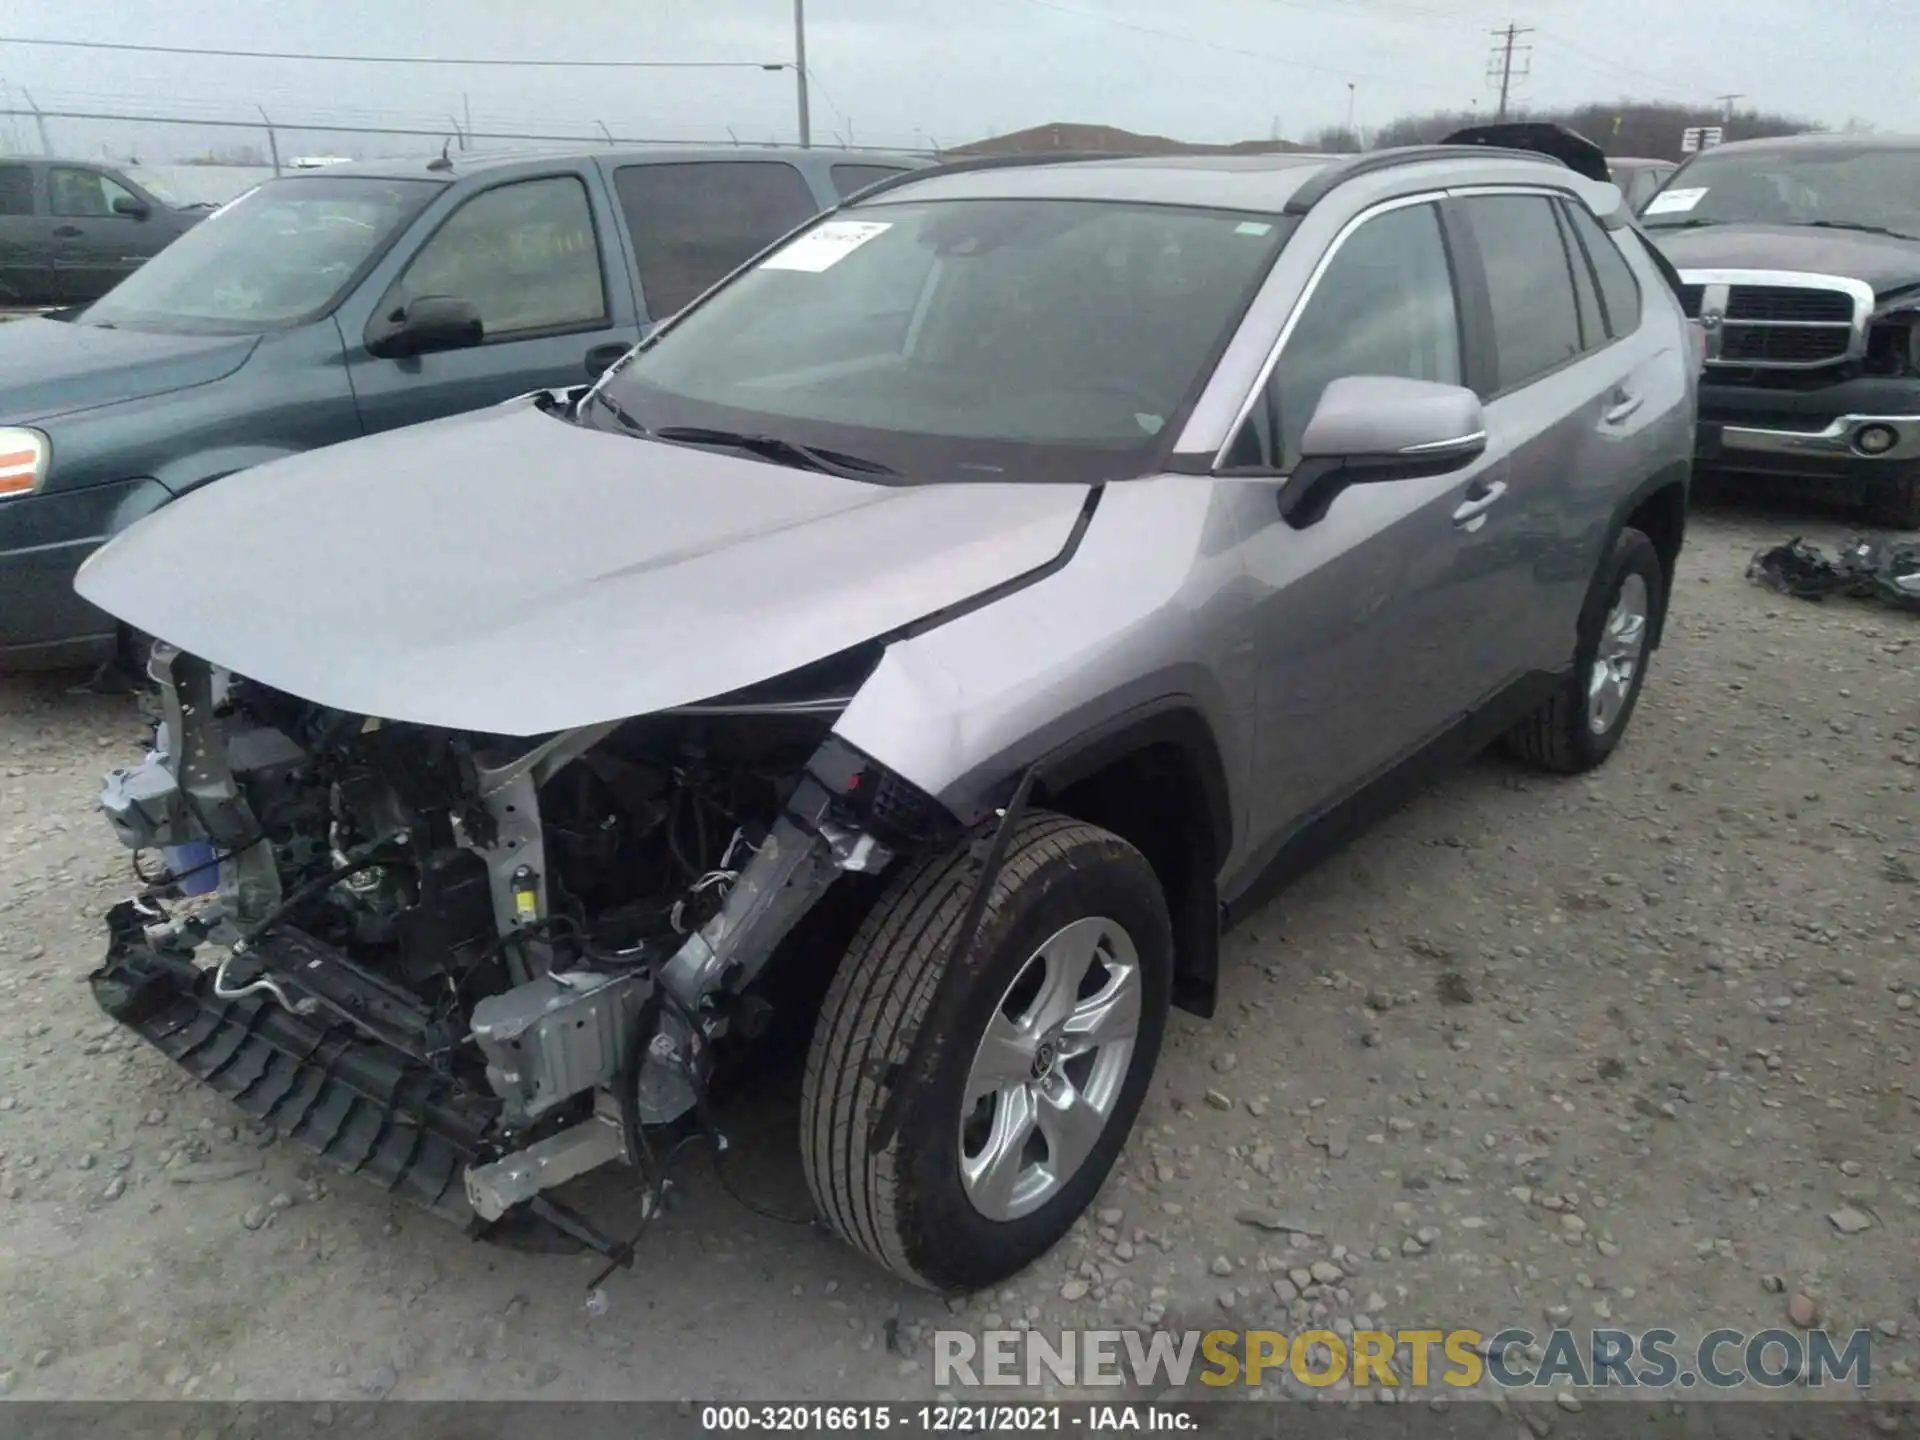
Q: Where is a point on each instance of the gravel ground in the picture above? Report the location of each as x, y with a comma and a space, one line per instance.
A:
1636, 1049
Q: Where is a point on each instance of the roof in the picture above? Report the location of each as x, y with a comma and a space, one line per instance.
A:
1258, 183
1831, 142
473, 162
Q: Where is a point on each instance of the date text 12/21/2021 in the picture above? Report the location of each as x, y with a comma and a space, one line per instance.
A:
945, 1419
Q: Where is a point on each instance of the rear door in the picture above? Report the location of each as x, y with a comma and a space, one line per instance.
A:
694, 222
1562, 404
535, 254
26, 239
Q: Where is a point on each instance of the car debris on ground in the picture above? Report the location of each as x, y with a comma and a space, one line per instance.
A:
1865, 568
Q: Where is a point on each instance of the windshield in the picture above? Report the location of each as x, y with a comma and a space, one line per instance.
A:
1875, 188
965, 339
279, 255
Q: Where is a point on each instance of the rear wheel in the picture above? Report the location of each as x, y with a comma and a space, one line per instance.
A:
1042, 1067
1579, 727
1894, 504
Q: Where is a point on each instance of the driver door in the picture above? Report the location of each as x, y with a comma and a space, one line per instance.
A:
1356, 630
528, 255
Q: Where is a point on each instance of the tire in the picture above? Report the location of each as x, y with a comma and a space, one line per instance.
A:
1893, 504
1563, 735
908, 1206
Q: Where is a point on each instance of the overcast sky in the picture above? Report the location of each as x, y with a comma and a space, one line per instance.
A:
911, 72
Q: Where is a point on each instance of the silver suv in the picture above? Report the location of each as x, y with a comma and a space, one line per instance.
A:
918, 649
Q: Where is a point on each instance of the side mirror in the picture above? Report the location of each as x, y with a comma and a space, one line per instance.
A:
132, 208
424, 325
1368, 429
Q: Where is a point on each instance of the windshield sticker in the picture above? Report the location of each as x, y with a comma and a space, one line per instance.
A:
824, 247
1668, 202
1251, 227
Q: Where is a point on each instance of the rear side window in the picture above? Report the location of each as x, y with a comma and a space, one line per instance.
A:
694, 223
849, 178
16, 190
1536, 322
1619, 291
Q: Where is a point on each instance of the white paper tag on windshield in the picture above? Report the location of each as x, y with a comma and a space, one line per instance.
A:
1669, 201
826, 245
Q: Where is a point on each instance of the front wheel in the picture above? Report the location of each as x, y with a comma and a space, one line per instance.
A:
1043, 1068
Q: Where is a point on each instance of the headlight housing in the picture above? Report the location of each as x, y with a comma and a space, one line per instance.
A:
23, 460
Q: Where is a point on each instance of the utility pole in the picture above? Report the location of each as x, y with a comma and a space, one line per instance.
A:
1726, 103
273, 140
800, 69
1503, 55
40, 122
1351, 92
466, 109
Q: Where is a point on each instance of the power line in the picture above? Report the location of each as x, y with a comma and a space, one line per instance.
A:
1205, 44
1561, 43
199, 52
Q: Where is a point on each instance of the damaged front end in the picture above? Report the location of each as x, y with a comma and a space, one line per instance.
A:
472, 967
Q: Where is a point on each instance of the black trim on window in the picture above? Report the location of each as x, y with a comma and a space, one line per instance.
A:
542, 332
1479, 355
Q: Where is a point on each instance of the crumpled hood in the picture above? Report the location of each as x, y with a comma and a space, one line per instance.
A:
53, 367
1885, 263
508, 572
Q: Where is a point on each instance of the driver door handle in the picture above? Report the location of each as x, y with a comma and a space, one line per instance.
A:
1471, 513
67, 230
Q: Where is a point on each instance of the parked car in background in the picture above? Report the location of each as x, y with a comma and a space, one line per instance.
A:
70, 230
1638, 179
1801, 258
348, 299
926, 639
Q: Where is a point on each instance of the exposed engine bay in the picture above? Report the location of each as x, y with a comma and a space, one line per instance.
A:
516, 955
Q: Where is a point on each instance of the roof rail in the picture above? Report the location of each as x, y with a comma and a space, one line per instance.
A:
984, 162
1322, 182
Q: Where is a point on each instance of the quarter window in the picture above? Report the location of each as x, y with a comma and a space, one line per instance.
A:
1619, 291
1383, 306
1536, 322
692, 224
524, 254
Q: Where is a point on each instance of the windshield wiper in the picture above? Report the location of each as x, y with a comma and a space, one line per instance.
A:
782, 452
1860, 226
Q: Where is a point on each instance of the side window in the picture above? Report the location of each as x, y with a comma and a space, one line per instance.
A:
1383, 306
1536, 323
83, 194
1619, 290
524, 253
1593, 331
849, 178
693, 223
16, 190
